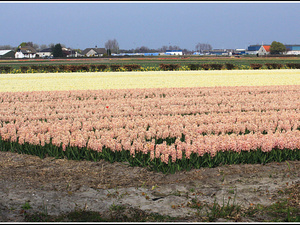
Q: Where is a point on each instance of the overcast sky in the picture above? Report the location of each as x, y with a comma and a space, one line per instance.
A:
151, 24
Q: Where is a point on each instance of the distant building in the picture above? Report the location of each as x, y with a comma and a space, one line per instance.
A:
197, 53
7, 54
173, 52
264, 50
220, 52
292, 49
239, 51
151, 54
253, 49
45, 53
25, 52
74, 53
90, 52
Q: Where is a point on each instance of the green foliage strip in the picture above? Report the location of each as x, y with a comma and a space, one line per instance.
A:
144, 160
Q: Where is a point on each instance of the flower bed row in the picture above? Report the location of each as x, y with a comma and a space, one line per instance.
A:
167, 129
136, 67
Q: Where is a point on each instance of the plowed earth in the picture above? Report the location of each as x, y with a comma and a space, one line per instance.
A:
58, 186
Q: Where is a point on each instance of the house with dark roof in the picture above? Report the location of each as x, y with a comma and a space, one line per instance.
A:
45, 53
90, 52
253, 49
25, 52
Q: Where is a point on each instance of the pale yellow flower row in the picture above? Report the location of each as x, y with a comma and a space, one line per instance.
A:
152, 79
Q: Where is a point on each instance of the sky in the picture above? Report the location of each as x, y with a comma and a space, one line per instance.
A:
153, 24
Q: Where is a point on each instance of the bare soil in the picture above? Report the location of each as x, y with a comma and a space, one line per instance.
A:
57, 186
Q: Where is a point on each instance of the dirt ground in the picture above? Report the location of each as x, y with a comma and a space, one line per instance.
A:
57, 186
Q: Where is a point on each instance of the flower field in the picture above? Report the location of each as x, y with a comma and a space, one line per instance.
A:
152, 79
201, 119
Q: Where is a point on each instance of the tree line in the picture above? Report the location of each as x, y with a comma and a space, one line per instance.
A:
112, 46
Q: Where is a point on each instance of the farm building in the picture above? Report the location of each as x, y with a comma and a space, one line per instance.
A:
173, 52
239, 51
89, 52
220, 52
7, 54
265, 49
151, 54
197, 53
292, 49
45, 53
253, 49
25, 52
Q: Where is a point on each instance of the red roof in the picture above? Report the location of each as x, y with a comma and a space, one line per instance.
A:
267, 47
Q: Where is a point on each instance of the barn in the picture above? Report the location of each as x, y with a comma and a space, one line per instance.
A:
7, 54
292, 49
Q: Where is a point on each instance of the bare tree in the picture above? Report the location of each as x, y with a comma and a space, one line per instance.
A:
142, 49
163, 48
174, 47
43, 46
36, 46
203, 47
51, 45
112, 45
5, 47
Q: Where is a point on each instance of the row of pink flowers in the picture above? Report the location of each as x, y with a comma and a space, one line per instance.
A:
131, 119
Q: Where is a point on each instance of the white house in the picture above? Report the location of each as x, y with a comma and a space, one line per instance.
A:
93, 52
45, 53
264, 50
25, 52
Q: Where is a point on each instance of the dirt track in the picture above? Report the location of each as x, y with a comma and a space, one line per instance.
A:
59, 186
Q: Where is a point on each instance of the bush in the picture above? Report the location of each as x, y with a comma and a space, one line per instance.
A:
73, 68
34, 67
256, 66
293, 65
115, 67
194, 66
5, 69
102, 67
166, 67
43, 68
131, 67
229, 66
24, 69
273, 65
93, 67
52, 68
205, 66
215, 66
83, 68
63, 68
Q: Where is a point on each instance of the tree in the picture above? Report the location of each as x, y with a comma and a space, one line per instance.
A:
163, 48
203, 47
277, 48
5, 47
112, 46
174, 47
43, 46
57, 51
36, 46
23, 44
